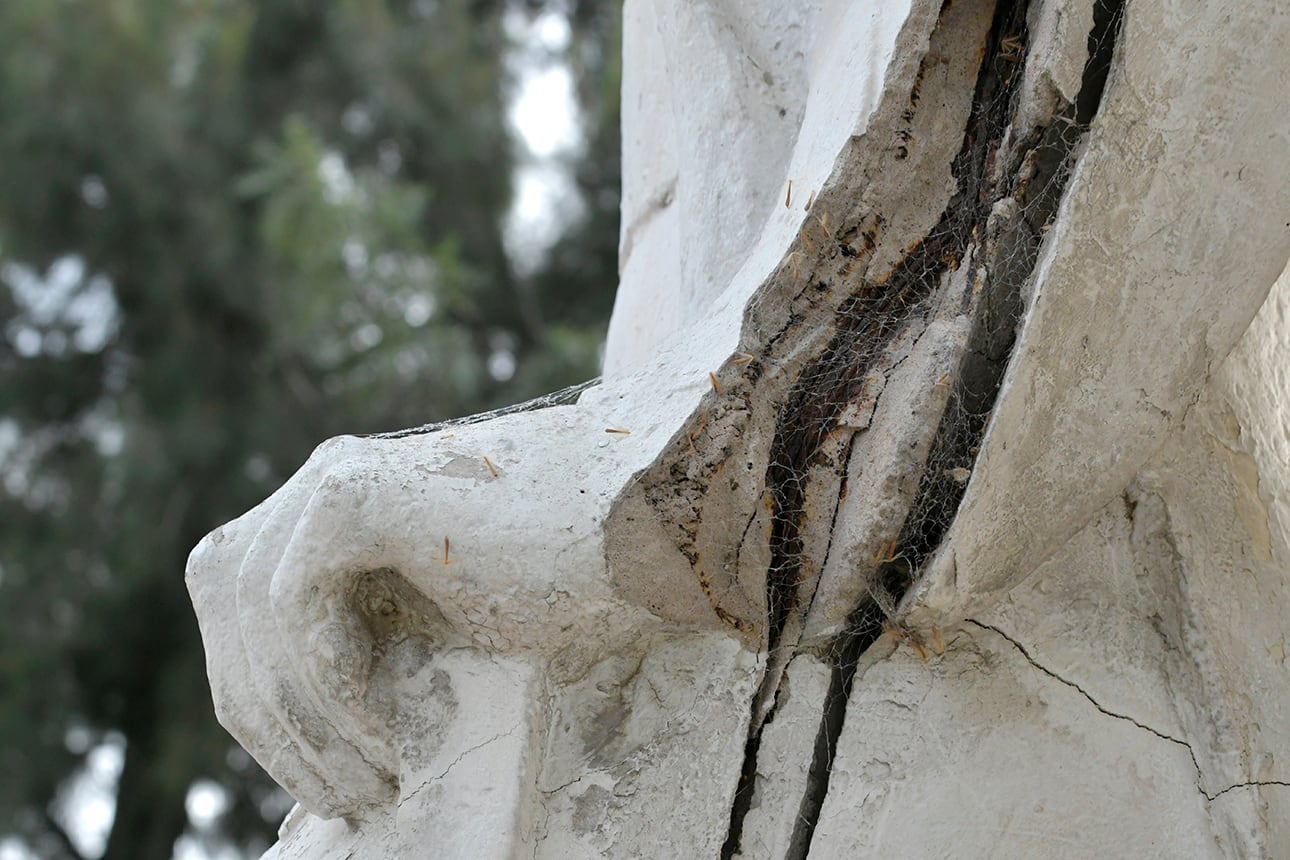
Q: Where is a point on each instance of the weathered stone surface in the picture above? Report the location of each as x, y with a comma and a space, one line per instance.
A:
656, 746
1165, 615
622, 633
306, 837
1166, 247
980, 753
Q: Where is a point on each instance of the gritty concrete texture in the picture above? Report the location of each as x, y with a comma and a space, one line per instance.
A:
934, 502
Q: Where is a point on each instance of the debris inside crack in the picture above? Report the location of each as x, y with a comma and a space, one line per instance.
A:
1008, 193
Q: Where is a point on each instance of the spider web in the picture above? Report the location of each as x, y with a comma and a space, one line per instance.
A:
556, 398
1011, 173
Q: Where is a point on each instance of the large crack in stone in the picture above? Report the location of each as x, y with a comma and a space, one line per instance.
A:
936, 214
1010, 185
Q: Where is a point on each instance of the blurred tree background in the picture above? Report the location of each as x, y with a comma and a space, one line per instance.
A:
230, 229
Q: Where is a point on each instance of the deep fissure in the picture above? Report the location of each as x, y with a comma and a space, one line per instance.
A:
1036, 177
863, 628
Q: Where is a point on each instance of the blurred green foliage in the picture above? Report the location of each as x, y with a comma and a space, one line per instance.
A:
228, 230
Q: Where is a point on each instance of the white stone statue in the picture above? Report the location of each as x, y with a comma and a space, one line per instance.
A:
933, 502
